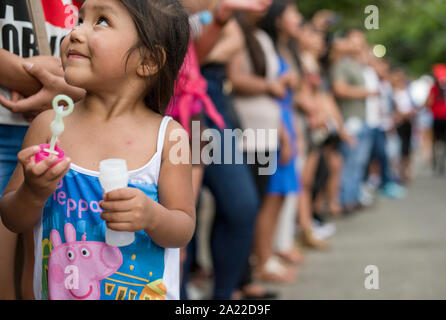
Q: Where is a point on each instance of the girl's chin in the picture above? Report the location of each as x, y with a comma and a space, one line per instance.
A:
75, 80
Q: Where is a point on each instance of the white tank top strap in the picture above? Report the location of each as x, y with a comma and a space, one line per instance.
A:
160, 146
162, 134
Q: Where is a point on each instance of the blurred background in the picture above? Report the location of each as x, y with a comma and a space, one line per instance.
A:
359, 90
413, 31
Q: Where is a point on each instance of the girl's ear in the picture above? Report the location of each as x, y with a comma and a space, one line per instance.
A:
149, 65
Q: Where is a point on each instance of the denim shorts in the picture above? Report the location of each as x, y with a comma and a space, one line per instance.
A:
11, 138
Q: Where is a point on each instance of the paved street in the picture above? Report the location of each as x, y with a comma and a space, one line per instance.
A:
405, 239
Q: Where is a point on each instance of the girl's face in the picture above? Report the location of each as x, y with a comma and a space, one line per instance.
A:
94, 54
290, 21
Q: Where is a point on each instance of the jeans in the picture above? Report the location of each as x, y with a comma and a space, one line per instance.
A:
11, 138
356, 160
236, 203
379, 152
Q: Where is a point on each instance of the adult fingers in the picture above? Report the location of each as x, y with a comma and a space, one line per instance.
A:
41, 74
35, 102
9, 104
15, 96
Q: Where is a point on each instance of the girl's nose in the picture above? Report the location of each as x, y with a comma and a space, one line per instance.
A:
77, 34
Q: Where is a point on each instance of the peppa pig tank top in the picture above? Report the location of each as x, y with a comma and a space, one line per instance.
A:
72, 260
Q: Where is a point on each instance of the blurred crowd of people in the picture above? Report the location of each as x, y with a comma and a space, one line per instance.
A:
345, 134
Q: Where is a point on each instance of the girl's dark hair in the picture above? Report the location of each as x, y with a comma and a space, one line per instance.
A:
255, 51
269, 21
163, 32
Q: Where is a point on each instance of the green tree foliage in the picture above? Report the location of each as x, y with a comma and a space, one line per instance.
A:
413, 31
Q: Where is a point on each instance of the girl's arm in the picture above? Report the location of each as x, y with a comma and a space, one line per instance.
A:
174, 225
31, 184
171, 222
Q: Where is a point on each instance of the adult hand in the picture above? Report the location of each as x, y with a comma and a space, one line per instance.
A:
28, 116
352, 141
52, 85
228, 7
276, 89
290, 80
49, 63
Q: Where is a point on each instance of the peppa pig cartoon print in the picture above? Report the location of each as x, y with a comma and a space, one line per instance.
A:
76, 268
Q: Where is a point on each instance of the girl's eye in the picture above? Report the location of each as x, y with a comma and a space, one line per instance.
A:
103, 22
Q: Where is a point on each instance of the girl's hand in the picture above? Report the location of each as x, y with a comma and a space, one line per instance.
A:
127, 209
41, 179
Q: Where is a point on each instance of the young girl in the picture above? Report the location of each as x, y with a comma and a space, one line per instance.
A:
126, 55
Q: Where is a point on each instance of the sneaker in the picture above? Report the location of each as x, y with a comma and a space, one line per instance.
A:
308, 239
322, 231
195, 293
393, 191
367, 195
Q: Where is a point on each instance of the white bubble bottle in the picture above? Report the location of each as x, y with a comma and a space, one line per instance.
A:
113, 175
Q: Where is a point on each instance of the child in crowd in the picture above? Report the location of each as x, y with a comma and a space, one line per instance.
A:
126, 55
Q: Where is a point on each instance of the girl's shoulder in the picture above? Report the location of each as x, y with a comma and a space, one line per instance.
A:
174, 135
156, 121
40, 126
